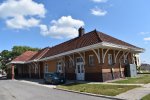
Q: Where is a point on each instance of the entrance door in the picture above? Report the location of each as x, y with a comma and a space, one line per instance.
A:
59, 67
80, 70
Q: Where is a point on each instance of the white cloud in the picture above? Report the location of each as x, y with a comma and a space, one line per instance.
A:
19, 22
147, 39
98, 12
100, 1
65, 27
26, 11
144, 33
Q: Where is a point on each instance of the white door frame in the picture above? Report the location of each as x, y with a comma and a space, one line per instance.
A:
59, 67
80, 72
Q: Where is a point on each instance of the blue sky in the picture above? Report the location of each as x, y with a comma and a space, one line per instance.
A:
42, 23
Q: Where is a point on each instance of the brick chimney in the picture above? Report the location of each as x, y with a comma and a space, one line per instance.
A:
81, 31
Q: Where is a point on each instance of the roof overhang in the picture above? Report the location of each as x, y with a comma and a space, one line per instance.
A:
98, 45
90, 47
132, 49
16, 62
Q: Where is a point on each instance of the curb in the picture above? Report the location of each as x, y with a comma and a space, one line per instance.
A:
41, 85
89, 94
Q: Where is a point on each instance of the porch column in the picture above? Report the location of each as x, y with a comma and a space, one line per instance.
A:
104, 54
97, 54
12, 72
30, 71
39, 70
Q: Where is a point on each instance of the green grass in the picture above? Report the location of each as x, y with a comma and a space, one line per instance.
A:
143, 79
102, 89
147, 97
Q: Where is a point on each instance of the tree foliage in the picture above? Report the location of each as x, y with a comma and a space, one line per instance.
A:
6, 55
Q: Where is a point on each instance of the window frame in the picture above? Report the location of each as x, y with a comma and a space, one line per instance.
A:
91, 62
79, 60
110, 60
125, 59
46, 68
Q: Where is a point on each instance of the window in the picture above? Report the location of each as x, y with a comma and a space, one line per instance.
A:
91, 60
110, 59
59, 66
36, 69
79, 59
46, 68
125, 59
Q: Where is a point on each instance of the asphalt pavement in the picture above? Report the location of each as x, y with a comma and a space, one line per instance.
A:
15, 90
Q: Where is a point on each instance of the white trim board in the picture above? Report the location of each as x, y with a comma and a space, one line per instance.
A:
94, 46
98, 45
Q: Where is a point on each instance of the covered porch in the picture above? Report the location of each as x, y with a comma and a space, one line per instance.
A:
99, 62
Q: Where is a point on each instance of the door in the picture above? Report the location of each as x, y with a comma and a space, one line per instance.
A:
59, 67
80, 71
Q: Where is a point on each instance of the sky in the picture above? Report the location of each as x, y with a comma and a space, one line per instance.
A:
43, 23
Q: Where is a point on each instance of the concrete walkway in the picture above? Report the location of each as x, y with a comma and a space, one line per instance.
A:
135, 94
86, 82
38, 82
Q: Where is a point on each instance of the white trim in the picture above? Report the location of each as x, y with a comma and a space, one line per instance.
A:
46, 68
70, 58
97, 55
122, 55
81, 75
17, 62
82, 57
102, 54
112, 45
98, 45
44, 53
105, 55
127, 53
114, 53
117, 55
102, 45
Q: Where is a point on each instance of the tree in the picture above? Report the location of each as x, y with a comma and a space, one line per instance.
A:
18, 50
6, 56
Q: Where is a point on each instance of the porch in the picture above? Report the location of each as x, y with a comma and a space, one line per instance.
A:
95, 64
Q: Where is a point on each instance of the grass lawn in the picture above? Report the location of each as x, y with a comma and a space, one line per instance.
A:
147, 97
102, 89
143, 79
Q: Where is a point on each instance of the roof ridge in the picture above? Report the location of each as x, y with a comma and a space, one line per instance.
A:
45, 51
97, 35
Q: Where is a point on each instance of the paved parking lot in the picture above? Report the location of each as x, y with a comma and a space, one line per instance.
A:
15, 90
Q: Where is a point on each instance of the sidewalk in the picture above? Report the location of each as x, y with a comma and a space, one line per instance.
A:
135, 94
38, 82
86, 82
